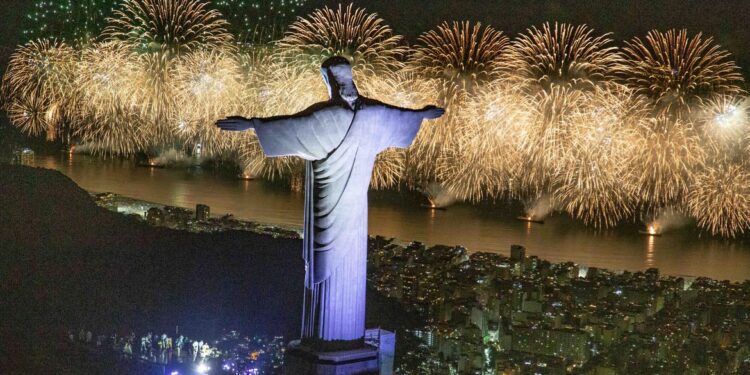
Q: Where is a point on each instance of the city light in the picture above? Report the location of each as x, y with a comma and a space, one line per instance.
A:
202, 368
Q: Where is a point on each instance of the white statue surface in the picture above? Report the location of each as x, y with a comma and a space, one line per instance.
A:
339, 140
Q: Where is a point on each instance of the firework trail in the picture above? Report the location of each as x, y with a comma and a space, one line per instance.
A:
363, 38
37, 86
588, 180
462, 57
561, 54
676, 70
668, 153
719, 199
208, 86
491, 134
105, 119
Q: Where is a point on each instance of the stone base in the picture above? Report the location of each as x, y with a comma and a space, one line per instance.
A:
301, 360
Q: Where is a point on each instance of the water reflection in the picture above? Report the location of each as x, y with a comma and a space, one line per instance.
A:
400, 215
650, 251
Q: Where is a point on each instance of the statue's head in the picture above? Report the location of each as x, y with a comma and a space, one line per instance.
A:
337, 74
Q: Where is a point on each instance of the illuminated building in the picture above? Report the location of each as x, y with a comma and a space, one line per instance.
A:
202, 212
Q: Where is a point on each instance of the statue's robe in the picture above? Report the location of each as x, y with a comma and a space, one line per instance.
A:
339, 146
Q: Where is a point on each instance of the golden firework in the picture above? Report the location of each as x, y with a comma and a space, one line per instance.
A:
676, 70
589, 180
363, 38
37, 86
491, 134
158, 33
550, 132
719, 199
722, 122
32, 114
106, 119
168, 27
461, 57
668, 153
208, 86
42, 67
561, 54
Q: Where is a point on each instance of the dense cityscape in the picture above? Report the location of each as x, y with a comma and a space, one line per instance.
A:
491, 314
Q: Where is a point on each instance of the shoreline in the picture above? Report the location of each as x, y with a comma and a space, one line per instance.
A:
269, 229
680, 251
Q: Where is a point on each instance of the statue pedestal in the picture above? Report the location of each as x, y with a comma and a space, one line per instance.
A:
305, 361
374, 358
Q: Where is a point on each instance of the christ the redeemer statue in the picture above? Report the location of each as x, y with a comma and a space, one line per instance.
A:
339, 140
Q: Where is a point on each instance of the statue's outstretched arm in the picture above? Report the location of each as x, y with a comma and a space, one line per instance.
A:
432, 112
235, 123
239, 123
310, 134
404, 123
429, 112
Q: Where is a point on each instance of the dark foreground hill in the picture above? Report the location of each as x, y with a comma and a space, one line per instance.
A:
67, 263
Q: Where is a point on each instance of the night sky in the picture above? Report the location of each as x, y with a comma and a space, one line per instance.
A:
11, 21
726, 20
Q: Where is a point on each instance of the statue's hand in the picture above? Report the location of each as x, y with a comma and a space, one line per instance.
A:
432, 112
235, 123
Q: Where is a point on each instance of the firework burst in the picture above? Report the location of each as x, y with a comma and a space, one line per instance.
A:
33, 114
362, 37
41, 67
106, 118
562, 54
159, 32
208, 86
168, 27
588, 179
103, 76
463, 55
491, 134
668, 152
37, 86
722, 122
676, 70
462, 58
719, 199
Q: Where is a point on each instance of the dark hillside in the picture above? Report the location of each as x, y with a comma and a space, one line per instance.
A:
67, 263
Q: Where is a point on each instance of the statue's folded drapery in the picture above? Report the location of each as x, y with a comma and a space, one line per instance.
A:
339, 145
